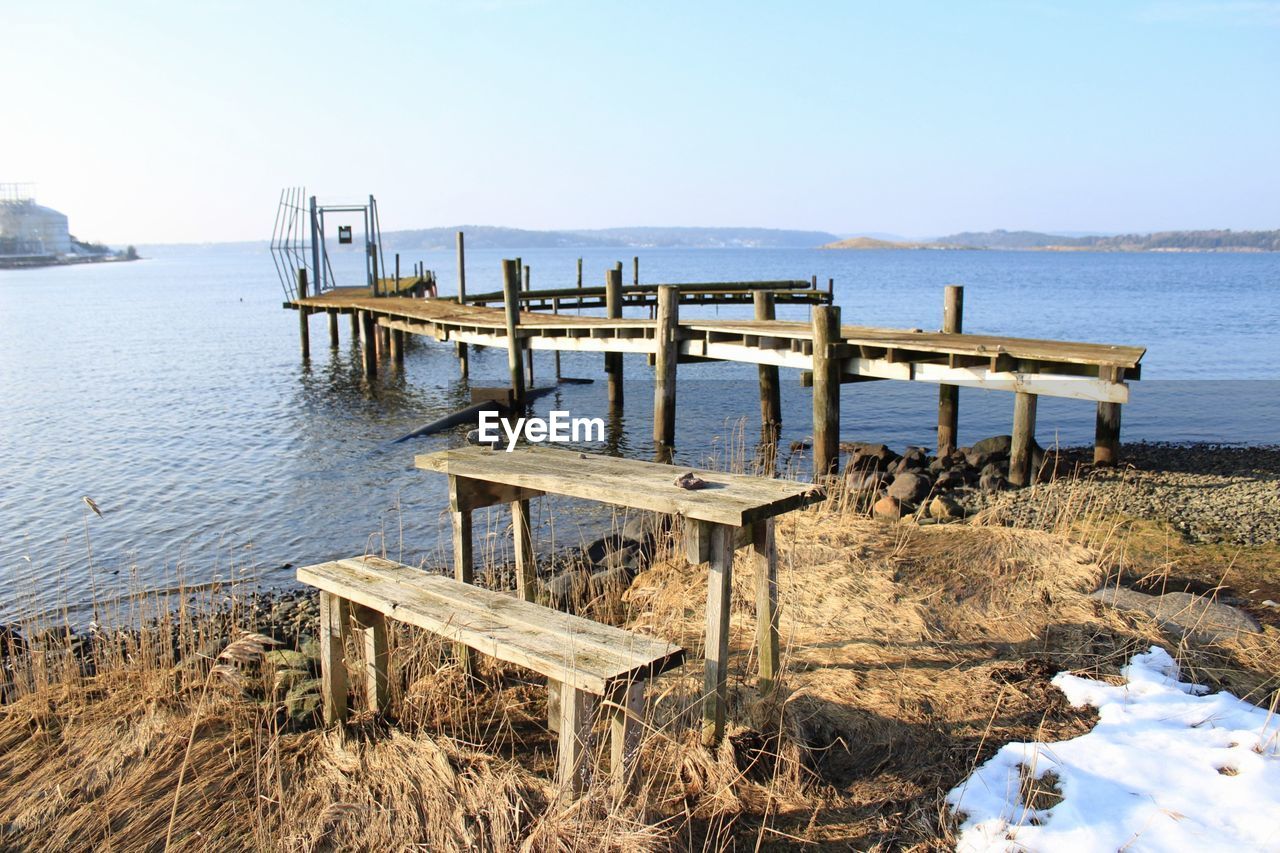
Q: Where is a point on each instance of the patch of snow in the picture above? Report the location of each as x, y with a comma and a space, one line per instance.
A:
1165, 768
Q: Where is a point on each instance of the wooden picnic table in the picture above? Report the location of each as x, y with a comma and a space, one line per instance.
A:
733, 511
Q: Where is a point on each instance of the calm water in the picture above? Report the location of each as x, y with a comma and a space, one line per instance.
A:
171, 392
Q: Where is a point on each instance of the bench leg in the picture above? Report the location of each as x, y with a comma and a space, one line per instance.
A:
526, 568
463, 560
624, 734
765, 560
333, 668
577, 712
373, 642
719, 585
553, 705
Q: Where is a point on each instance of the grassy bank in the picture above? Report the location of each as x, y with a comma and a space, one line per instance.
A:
910, 653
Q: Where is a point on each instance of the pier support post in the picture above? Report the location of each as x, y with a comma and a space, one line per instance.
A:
826, 392
770, 391
555, 309
1106, 436
635, 270
333, 329
397, 348
368, 345
1024, 438
613, 310
664, 375
355, 325
949, 395
511, 307
304, 320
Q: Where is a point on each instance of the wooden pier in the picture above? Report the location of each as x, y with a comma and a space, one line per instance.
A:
826, 353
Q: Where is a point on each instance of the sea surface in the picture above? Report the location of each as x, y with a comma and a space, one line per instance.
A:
171, 392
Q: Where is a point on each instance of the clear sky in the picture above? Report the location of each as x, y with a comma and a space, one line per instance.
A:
176, 121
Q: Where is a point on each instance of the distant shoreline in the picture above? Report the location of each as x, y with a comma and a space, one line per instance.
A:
27, 263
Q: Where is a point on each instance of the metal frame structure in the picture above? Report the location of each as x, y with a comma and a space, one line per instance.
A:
298, 242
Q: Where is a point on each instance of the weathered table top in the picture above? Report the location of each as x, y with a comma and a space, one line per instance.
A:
730, 499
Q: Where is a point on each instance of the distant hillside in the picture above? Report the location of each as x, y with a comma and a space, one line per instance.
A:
491, 237
1164, 241
711, 238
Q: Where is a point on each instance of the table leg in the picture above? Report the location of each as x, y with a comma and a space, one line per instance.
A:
719, 585
765, 560
526, 568
333, 667
463, 559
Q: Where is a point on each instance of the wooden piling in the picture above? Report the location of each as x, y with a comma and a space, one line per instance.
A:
949, 395
1106, 436
528, 353
555, 309
664, 374
826, 392
304, 320
397, 293
1024, 438
333, 329
635, 270
368, 344
397, 348
511, 306
355, 325
770, 390
613, 310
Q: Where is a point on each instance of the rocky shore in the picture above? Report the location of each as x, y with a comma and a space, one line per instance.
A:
1209, 493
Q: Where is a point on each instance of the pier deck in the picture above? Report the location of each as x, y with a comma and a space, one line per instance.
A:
826, 353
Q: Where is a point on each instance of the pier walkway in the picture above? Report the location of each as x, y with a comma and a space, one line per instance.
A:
826, 353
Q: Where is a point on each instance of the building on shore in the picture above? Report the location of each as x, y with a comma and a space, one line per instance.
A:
30, 230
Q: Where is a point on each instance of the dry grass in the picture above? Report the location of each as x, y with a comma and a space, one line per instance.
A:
910, 655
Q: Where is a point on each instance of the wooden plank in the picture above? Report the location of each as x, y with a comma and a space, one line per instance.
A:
628, 650
561, 646
716, 671
333, 664
764, 559
729, 498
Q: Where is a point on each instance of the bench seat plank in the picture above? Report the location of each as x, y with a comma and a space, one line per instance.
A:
730, 499
575, 651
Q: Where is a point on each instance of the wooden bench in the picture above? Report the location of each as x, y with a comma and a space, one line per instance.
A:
731, 512
586, 660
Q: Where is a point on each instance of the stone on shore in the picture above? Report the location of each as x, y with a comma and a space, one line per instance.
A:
1183, 613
